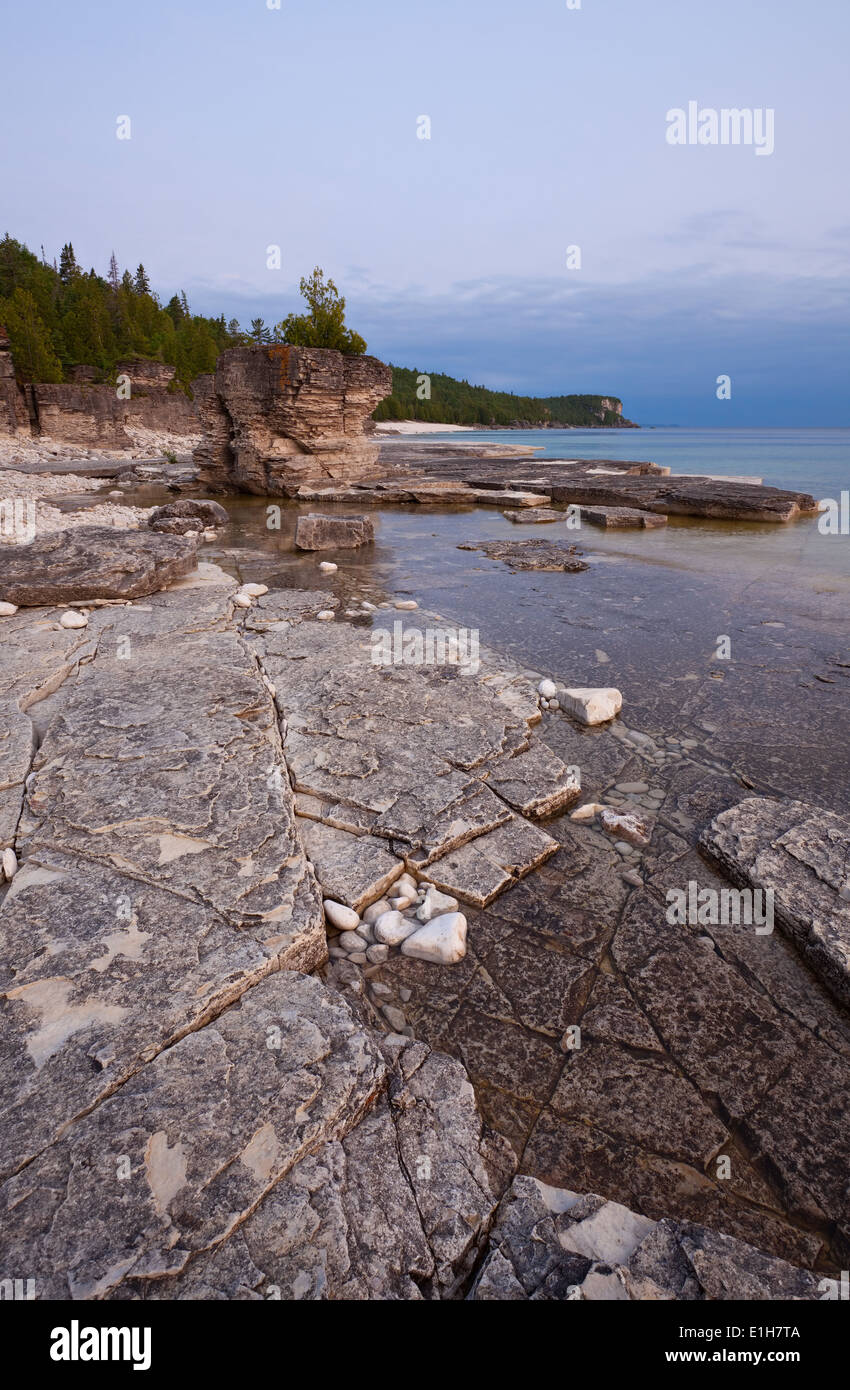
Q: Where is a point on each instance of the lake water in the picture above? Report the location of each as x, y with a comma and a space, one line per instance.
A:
649, 611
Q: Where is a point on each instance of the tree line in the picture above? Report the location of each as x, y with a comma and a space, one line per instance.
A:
442, 399
59, 315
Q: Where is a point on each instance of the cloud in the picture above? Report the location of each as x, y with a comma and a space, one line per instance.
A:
659, 343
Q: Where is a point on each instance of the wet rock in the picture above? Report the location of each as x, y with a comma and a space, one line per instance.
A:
317, 532
621, 518
93, 562
625, 825
590, 705
534, 515
534, 555
187, 514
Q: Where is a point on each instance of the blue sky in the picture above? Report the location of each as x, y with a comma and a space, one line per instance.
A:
297, 127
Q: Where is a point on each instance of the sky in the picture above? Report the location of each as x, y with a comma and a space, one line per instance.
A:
299, 127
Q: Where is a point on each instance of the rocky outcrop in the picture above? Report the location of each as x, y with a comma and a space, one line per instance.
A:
278, 417
14, 416
316, 532
87, 414
801, 855
92, 562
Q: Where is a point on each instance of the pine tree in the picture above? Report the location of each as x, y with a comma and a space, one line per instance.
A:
142, 284
260, 333
68, 267
114, 277
324, 326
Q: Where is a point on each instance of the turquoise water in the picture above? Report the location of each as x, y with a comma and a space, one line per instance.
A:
813, 460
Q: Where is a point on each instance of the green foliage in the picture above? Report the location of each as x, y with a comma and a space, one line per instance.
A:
324, 326
60, 317
454, 402
33, 351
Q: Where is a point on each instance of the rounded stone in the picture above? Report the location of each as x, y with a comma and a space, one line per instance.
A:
7, 609
74, 619
406, 604
341, 916
391, 929
547, 689
328, 567
325, 616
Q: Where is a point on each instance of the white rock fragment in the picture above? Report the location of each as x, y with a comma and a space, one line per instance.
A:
7, 609
341, 916
328, 567
591, 705
402, 901
406, 604
242, 600
255, 590
391, 929
547, 689
325, 616
435, 904
628, 827
587, 811
442, 940
74, 619
10, 863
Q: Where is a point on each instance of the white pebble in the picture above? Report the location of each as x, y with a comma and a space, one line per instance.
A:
74, 619
255, 590
10, 863
406, 603
326, 616
547, 689
341, 916
328, 567
7, 609
402, 901
242, 600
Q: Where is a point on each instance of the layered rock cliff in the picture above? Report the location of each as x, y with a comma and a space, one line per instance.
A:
277, 417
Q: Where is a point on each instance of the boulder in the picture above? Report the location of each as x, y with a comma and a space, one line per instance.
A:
188, 514
317, 532
89, 562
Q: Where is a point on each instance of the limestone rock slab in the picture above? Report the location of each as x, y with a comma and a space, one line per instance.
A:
88, 562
